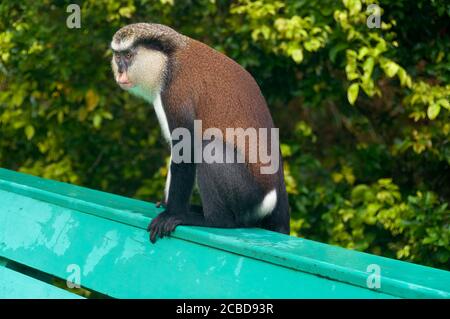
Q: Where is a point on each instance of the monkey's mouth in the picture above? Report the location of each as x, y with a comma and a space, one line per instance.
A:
126, 85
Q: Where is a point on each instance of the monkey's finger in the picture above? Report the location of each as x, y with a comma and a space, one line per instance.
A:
161, 232
159, 228
168, 226
153, 236
155, 229
153, 223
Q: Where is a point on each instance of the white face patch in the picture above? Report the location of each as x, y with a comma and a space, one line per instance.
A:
122, 45
146, 72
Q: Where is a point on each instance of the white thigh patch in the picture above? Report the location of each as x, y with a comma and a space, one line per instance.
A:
267, 205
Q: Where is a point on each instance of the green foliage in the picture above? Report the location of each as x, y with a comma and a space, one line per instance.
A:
373, 214
363, 112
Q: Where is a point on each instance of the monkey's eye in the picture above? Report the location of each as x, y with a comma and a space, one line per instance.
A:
128, 56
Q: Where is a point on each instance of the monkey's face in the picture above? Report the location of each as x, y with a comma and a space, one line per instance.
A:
139, 67
121, 62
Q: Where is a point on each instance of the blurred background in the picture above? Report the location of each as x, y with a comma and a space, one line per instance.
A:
363, 112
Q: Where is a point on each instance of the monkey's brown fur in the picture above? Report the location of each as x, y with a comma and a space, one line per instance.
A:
203, 84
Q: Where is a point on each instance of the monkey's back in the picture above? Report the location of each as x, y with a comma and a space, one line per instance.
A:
223, 95
229, 92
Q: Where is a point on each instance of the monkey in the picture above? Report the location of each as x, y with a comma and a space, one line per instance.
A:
187, 81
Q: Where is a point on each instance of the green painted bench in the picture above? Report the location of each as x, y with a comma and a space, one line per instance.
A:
47, 227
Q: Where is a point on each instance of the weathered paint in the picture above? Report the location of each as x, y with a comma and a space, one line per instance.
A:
16, 285
48, 225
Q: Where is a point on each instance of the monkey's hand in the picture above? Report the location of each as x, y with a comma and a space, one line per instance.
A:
163, 225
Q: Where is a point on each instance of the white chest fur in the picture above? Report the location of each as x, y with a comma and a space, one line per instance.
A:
155, 99
163, 123
162, 118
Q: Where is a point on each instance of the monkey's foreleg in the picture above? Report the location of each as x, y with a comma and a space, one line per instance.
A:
165, 223
177, 201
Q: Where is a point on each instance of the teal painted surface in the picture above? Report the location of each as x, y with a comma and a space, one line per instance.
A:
16, 285
51, 224
118, 260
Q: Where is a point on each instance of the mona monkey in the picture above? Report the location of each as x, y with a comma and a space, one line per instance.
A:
186, 80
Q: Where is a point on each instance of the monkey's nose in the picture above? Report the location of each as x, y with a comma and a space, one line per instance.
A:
122, 78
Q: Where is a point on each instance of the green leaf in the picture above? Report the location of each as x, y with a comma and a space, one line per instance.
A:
354, 6
297, 55
29, 131
97, 120
335, 50
351, 71
286, 150
352, 93
444, 103
92, 100
368, 65
433, 111
405, 79
362, 52
391, 68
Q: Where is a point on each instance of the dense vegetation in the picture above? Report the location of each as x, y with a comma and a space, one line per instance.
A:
363, 112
